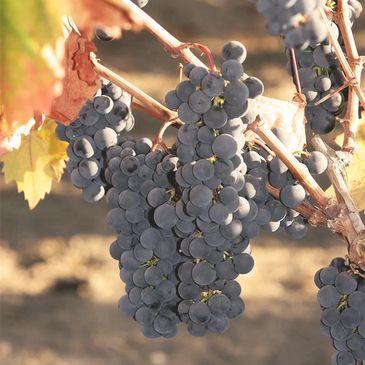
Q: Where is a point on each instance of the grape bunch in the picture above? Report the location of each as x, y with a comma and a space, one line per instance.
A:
99, 126
268, 213
342, 299
214, 98
210, 176
185, 216
161, 283
141, 197
299, 22
320, 74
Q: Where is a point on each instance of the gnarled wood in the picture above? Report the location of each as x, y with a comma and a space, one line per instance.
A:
347, 222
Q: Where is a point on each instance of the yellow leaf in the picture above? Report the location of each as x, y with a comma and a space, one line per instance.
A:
36, 184
55, 168
17, 162
356, 170
57, 150
40, 159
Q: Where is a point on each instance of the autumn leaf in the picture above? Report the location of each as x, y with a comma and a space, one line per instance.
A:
28, 31
80, 82
39, 160
36, 184
57, 151
32, 50
356, 170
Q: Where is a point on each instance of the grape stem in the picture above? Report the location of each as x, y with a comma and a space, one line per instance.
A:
298, 86
351, 120
158, 141
333, 93
346, 221
144, 101
206, 51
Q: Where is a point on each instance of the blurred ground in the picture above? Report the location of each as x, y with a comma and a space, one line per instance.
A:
59, 287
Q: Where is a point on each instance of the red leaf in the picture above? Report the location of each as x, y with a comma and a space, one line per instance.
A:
80, 82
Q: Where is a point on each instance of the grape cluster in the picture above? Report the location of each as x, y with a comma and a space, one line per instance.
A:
210, 176
342, 299
185, 217
141, 199
99, 126
268, 213
299, 22
320, 74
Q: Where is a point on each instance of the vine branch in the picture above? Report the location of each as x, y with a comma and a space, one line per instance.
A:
351, 119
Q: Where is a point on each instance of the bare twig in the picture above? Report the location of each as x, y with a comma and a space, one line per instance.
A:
348, 222
302, 175
145, 102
